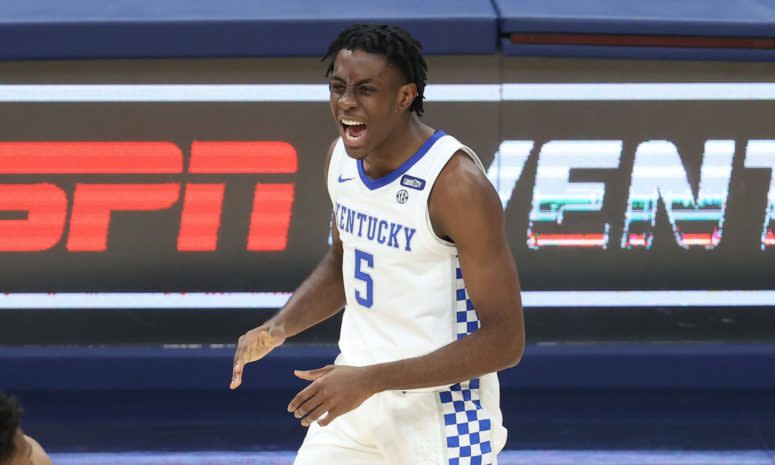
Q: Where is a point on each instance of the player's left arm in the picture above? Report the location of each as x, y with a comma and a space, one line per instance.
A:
464, 208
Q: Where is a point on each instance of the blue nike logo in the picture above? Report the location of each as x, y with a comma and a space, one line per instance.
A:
341, 179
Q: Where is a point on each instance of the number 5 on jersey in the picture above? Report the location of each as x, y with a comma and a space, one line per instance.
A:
364, 260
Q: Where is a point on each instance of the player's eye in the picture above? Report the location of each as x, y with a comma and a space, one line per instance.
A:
337, 88
366, 90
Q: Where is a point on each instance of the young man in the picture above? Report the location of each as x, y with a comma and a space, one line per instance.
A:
15, 447
414, 215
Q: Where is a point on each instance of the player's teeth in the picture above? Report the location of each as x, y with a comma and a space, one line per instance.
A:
350, 122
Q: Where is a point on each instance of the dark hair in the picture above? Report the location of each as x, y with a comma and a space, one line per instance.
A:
10, 417
392, 42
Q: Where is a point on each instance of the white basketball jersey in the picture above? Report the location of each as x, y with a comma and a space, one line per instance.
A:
405, 291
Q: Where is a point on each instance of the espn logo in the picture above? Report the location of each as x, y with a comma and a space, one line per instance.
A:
46, 204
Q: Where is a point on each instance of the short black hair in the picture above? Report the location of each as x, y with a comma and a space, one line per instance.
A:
10, 418
392, 42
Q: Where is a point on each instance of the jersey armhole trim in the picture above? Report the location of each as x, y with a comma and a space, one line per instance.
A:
428, 221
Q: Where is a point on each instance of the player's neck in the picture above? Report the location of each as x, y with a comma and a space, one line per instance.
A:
404, 142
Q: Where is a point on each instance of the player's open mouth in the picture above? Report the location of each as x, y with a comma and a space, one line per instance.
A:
354, 131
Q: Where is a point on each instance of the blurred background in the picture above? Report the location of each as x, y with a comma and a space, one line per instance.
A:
161, 192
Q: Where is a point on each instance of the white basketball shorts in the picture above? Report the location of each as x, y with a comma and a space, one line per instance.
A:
449, 427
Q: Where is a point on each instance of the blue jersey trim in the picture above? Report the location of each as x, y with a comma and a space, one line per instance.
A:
395, 174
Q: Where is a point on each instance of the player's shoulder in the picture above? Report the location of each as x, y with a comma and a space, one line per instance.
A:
462, 185
38, 456
461, 178
463, 199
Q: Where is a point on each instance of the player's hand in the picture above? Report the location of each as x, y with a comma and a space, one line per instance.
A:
335, 389
252, 346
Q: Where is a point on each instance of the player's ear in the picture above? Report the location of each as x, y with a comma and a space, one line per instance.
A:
406, 95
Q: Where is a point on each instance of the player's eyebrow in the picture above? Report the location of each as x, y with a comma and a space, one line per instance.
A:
361, 82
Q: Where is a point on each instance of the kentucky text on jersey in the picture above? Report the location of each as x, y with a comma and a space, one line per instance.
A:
374, 229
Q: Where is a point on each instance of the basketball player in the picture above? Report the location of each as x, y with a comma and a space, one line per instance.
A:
15, 447
420, 262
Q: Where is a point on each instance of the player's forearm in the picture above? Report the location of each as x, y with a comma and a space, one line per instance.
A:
485, 351
318, 298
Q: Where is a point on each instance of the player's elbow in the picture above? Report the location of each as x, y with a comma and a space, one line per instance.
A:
517, 339
510, 346
514, 352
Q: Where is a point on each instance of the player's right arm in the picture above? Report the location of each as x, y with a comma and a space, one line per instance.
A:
318, 298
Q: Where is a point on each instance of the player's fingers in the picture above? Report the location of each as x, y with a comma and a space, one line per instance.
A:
303, 396
312, 375
305, 375
238, 363
332, 414
308, 406
315, 413
236, 375
240, 348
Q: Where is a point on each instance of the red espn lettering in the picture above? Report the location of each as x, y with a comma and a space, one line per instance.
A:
90, 158
93, 204
230, 157
201, 217
46, 207
271, 217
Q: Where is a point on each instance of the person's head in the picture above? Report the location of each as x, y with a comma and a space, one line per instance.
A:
377, 77
15, 447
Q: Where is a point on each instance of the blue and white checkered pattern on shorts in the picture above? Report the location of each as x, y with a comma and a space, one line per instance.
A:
467, 428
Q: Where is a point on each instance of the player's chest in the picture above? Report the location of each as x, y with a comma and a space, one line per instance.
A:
368, 224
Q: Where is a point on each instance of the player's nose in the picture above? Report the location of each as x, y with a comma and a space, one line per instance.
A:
347, 100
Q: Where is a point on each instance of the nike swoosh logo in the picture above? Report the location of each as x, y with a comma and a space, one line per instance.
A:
341, 179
